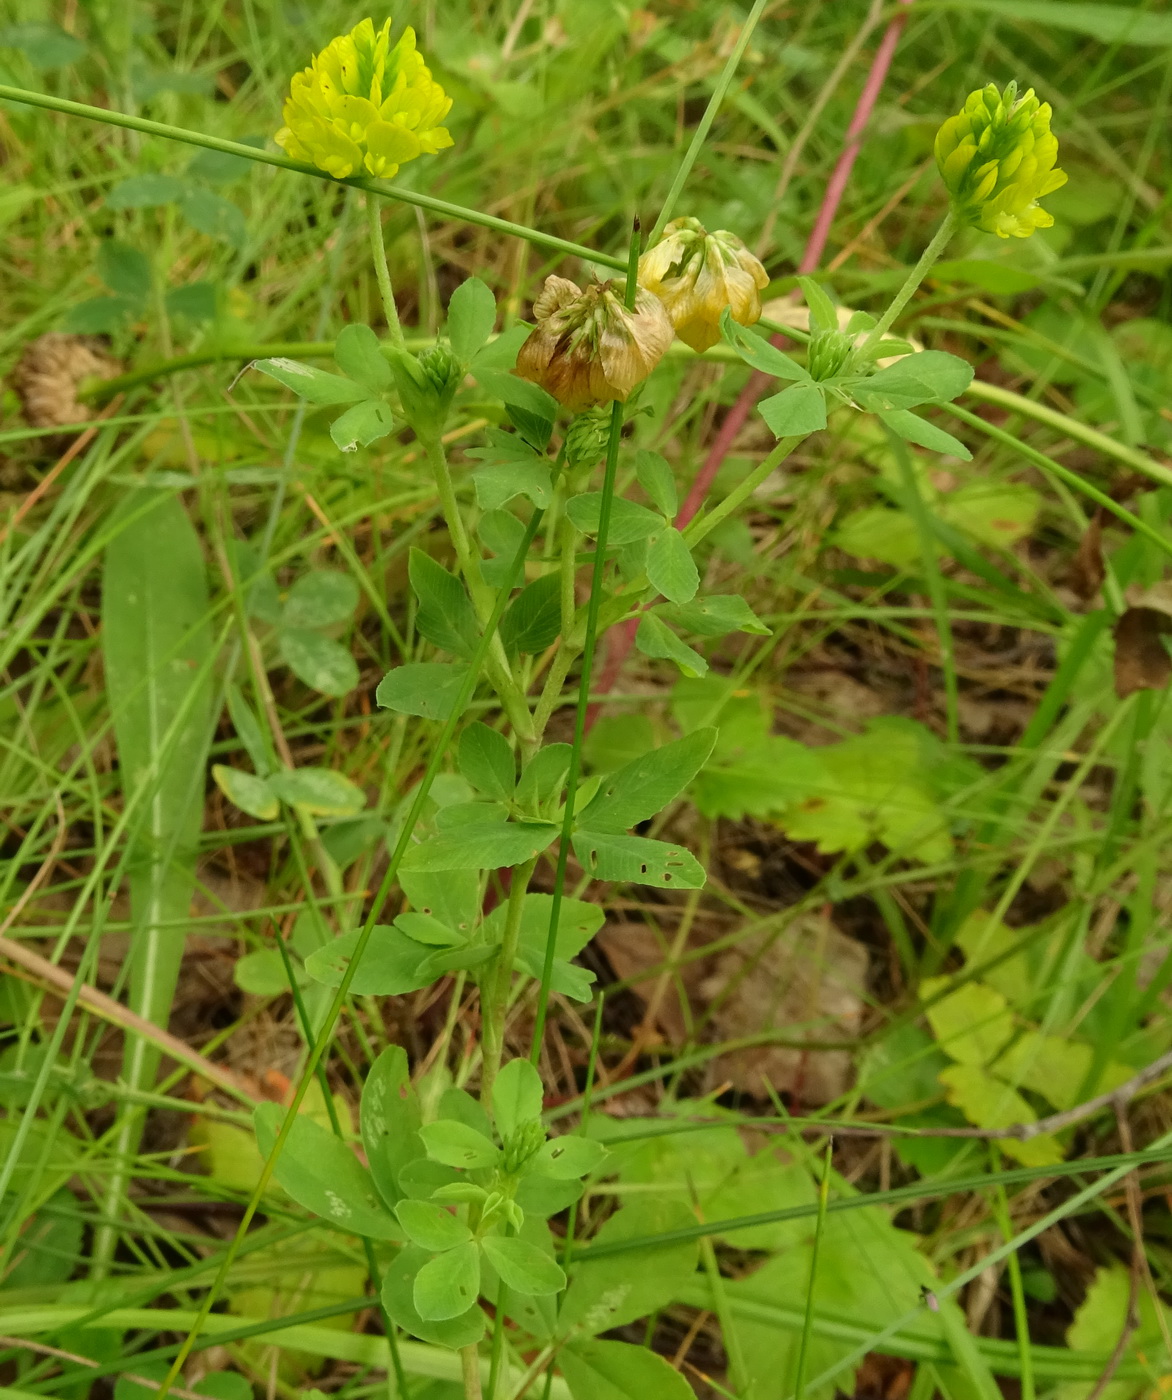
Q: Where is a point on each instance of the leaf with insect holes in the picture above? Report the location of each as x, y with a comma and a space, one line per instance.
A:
446, 616
516, 1096
533, 619
320, 662
654, 638
794, 412
567, 1158
638, 860
428, 689
248, 792
455, 1144
448, 1285
307, 382
642, 788
359, 356
755, 350
658, 480
361, 425
471, 317
671, 568
523, 1267
487, 761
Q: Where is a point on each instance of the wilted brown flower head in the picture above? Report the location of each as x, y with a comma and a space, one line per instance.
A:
696, 274
588, 348
50, 372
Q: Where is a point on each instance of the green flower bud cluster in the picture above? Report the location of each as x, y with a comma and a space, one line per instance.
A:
586, 438
827, 353
521, 1144
427, 383
997, 158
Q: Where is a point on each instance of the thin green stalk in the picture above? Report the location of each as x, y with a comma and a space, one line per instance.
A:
495, 1004
382, 272
498, 1340
591, 1067
930, 255
1021, 1321
705, 524
593, 609
700, 135
442, 207
436, 759
470, 1370
819, 1229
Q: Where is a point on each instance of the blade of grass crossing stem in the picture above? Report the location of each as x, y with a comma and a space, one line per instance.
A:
155, 644
400, 1387
1021, 1321
592, 610
379, 187
700, 135
323, 1039
819, 1229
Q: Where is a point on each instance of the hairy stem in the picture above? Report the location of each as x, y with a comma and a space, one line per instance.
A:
378, 251
705, 524
914, 278
495, 987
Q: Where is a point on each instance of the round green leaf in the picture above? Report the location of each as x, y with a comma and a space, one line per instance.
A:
321, 663
523, 1267
447, 1286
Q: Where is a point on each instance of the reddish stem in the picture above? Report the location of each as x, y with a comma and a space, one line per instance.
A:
622, 638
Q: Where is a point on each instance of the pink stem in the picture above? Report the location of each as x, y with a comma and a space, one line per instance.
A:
622, 638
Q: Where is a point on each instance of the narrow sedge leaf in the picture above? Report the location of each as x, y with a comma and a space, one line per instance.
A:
671, 568
455, 1144
487, 761
313, 385
246, 791
471, 317
516, 1096
798, 410
523, 1267
448, 1285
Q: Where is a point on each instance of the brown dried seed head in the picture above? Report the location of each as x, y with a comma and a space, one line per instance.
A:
52, 369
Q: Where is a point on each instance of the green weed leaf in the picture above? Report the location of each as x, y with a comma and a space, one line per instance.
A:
319, 791
533, 619
428, 689
516, 1096
629, 522
307, 382
796, 411
319, 662
658, 480
637, 860
321, 598
361, 425
248, 792
471, 317
389, 1117
523, 1267
931, 376
359, 356
755, 350
716, 615
642, 788
446, 616
447, 1286
483, 847
654, 638
597, 1370
912, 428
455, 1144
398, 1296
569, 1157
671, 568
430, 1226
487, 761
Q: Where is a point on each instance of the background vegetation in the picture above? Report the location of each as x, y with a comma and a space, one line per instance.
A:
935, 824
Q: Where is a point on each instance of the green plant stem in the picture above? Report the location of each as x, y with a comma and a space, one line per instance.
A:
819, 1230
705, 524
442, 207
551, 692
438, 754
498, 1340
700, 135
1021, 1321
470, 1369
593, 609
382, 271
495, 988
929, 256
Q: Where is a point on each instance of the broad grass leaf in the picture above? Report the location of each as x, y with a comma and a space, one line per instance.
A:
359, 356
248, 792
654, 638
156, 649
322, 1174
398, 1296
319, 791
972, 1024
389, 1117
309, 383
671, 568
487, 847
596, 1370
643, 788
318, 662
523, 1267
622, 1288
638, 860
471, 317
428, 689
988, 1102
533, 619
1110, 24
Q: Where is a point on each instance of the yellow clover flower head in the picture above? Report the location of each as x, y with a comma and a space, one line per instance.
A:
588, 348
363, 105
696, 274
996, 156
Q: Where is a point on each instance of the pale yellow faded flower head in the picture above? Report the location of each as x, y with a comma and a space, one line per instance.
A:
696, 274
363, 105
998, 157
588, 348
